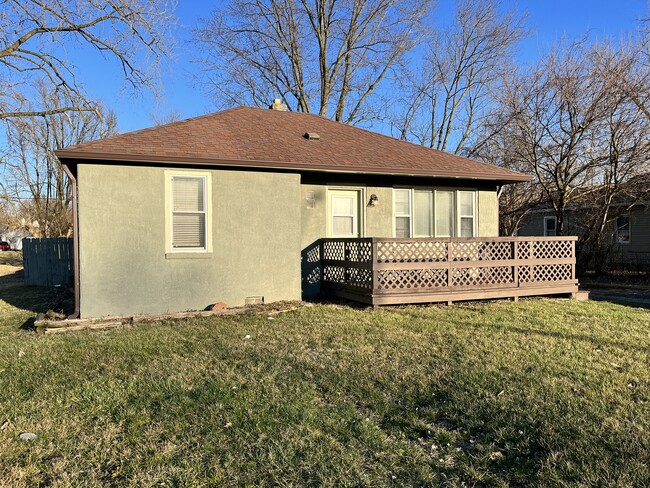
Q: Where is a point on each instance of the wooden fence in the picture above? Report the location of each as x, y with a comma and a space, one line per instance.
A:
48, 262
382, 271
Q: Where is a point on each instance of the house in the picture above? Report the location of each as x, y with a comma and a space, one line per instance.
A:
627, 240
226, 206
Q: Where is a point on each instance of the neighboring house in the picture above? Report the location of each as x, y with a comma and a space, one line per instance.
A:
225, 206
14, 238
628, 233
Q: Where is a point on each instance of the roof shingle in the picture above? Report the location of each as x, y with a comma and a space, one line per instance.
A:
254, 137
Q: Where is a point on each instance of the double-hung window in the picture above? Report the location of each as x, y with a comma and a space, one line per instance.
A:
550, 226
466, 213
439, 213
623, 229
402, 207
188, 203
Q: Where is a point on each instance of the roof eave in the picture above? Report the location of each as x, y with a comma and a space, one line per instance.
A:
64, 154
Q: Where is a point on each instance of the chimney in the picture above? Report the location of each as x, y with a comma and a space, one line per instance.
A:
278, 105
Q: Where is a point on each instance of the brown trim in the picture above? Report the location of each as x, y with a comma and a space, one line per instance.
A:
508, 176
75, 242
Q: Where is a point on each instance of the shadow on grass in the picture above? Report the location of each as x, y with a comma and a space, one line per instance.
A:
37, 299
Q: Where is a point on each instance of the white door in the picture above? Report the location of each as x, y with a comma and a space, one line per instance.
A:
344, 218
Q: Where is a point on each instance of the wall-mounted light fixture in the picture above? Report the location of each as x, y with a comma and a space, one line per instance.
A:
373, 200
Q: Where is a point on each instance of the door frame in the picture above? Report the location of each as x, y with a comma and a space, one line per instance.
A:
361, 195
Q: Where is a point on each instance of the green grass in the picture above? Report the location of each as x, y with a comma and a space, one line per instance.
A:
541, 392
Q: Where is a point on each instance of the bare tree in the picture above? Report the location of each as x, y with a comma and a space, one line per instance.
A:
447, 98
323, 56
36, 34
33, 182
573, 123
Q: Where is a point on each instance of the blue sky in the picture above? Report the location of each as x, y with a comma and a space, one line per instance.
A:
548, 20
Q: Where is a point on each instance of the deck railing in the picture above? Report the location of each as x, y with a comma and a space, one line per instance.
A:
383, 271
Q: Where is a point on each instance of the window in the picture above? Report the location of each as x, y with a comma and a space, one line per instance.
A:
422, 213
188, 202
402, 199
444, 213
623, 229
439, 213
466, 213
550, 226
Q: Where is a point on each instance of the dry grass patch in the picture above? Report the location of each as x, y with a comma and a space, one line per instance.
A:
548, 392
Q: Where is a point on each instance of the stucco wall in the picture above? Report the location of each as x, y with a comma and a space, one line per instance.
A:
123, 267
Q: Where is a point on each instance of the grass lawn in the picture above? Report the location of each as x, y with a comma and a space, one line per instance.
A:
542, 392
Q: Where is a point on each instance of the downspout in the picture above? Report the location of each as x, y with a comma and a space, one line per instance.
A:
75, 241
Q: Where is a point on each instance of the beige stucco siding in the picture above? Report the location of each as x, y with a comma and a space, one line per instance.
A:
255, 220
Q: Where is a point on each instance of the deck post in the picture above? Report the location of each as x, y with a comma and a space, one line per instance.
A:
375, 271
450, 274
573, 264
515, 255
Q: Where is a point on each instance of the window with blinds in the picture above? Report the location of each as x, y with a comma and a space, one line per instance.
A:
189, 213
421, 212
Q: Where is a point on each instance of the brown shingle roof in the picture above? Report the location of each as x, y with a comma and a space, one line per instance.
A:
254, 137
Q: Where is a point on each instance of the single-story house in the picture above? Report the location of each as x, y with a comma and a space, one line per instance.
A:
227, 206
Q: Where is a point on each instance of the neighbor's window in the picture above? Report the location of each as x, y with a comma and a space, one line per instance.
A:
189, 215
550, 226
439, 213
623, 229
402, 199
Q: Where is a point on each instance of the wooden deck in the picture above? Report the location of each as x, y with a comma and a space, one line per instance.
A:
383, 271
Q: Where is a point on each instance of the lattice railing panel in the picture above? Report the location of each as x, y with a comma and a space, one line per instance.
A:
348, 276
417, 278
545, 272
411, 252
493, 276
481, 251
552, 249
355, 250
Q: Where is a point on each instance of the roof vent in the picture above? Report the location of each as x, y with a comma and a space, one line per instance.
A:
312, 136
278, 105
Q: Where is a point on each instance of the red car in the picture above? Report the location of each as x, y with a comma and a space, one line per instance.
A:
4, 246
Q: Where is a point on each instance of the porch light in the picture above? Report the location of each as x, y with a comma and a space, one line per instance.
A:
373, 200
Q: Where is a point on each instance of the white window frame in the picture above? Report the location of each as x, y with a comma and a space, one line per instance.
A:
459, 214
629, 229
169, 212
455, 206
410, 214
547, 218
